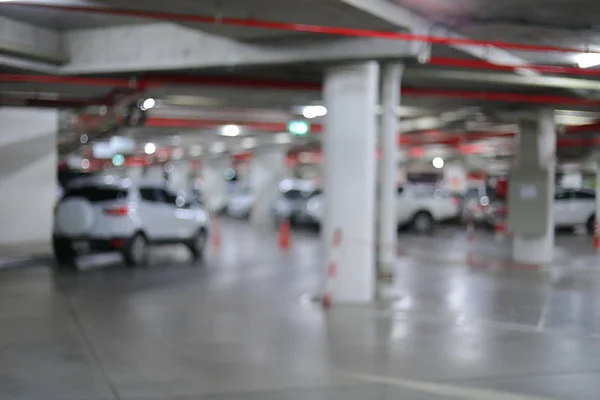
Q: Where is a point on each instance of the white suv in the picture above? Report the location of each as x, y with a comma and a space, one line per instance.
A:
107, 214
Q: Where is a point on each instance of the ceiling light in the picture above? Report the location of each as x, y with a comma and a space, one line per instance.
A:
230, 130
148, 104
149, 148
314, 111
587, 60
438, 162
218, 147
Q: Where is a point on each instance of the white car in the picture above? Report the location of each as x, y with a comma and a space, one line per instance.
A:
107, 214
240, 203
575, 208
419, 207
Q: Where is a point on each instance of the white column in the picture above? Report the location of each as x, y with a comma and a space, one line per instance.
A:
155, 173
349, 144
537, 149
267, 169
28, 181
134, 173
597, 191
215, 191
179, 178
387, 221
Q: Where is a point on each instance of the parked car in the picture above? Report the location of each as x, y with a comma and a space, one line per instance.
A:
240, 203
571, 208
291, 204
419, 207
107, 214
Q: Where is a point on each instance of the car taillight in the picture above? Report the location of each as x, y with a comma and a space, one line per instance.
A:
116, 212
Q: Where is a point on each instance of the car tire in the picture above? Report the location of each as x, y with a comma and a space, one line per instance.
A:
197, 244
589, 226
135, 251
64, 255
422, 222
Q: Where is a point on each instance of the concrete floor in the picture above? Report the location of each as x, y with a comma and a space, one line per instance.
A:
240, 327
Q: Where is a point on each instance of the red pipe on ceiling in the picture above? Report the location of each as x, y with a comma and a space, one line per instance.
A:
409, 91
480, 64
285, 26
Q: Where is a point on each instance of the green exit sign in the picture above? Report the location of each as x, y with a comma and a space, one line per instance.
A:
298, 128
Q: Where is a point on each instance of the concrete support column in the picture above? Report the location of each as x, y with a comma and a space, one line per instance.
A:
536, 159
28, 174
215, 191
179, 178
155, 172
267, 169
134, 173
388, 173
597, 192
349, 150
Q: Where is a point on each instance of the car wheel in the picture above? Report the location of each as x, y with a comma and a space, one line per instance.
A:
135, 252
590, 225
64, 255
197, 244
423, 222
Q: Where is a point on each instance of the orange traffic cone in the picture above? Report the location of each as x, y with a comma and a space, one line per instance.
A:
216, 233
284, 234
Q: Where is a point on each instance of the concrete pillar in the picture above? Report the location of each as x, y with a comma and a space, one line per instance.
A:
28, 179
349, 145
388, 173
179, 178
597, 188
267, 169
534, 175
215, 191
155, 173
134, 173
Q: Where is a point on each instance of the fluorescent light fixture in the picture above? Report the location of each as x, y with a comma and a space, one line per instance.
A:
148, 104
438, 162
230, 130
587, 60
149, 148
314, 111
218, 147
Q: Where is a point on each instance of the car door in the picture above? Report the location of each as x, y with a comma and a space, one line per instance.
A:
403, 206
151, 211
584, 205
563, 208
180, 217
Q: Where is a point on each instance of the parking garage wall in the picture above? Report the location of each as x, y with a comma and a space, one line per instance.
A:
28, 174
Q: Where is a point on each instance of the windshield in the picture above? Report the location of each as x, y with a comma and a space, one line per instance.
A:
95, 194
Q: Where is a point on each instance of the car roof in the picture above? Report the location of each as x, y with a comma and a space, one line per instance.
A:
115, 181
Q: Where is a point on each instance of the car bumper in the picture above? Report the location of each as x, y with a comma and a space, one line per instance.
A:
88, 245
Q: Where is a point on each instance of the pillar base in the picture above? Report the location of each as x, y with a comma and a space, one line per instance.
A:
533, 250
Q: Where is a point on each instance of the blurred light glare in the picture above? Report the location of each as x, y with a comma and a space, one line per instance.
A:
438, 162
286, 185
587, 60
314, 111
196, 151
169, 167
248, 143
85, 163
230, 130
84, 138
148, 104
150, 148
